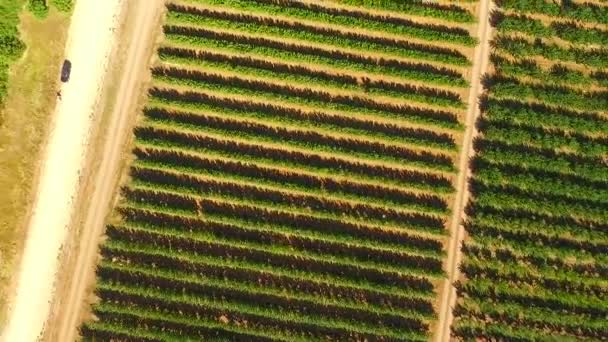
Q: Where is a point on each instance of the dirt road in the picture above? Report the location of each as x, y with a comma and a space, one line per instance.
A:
145, 18
480, 65
90, 42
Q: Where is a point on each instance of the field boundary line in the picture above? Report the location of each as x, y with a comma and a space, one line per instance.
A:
457, 234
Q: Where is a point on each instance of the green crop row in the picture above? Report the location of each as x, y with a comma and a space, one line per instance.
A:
303, 183
583, 11
535, 263
242, 172
166, 327
317, 99
352, 18
315, 120
166, 193
185, 184
522, 238
537, 114
575, 231
360, 238
258, 66
275, 297
259, 318
512, 198
520, 47
474, 329
535, 255
569, 31
329, 81
584, 100
271, 27
311, 54
310, 162
579, 326
290, 182
556, 74
378, 128
551, 185
417, 7
405, 277
544, 138
246, 272
299, 140
525, 155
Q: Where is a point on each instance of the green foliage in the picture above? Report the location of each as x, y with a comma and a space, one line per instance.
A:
422, 72
248, 66
11, 47
417, 7
355, 19
550, 94
521, 23
290, 180
535, 263
312, 33
519, 47
556, 74
38, 7
583, 11
578, 34
570, 31
63, 5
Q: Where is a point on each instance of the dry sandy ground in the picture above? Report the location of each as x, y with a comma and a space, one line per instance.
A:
90, 41
144, 17
480, 65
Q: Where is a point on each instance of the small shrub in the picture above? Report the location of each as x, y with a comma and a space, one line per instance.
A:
39, 8
63, 5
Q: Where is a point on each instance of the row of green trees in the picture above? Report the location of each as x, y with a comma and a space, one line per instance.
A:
451, 12
313, 50
346, 248
268, 202
570, 31
521, 47
204, 186
193, 14
204, 287
198, 163
535, 261
313, 286
419, 135
438, 116
428, 30
190, 141
568, 9
234, 251
297, 69
253, 216
305, 137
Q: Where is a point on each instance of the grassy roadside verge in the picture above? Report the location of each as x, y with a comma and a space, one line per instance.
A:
24, 118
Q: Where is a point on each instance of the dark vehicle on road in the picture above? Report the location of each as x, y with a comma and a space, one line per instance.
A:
66, 69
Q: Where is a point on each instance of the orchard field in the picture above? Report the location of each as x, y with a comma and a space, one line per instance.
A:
293, 174
536, 263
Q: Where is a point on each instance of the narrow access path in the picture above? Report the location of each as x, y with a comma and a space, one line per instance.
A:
146, 19
90, 41
480, 65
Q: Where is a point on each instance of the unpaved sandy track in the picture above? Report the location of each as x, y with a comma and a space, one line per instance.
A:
480, 65
145, 16
90, 42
